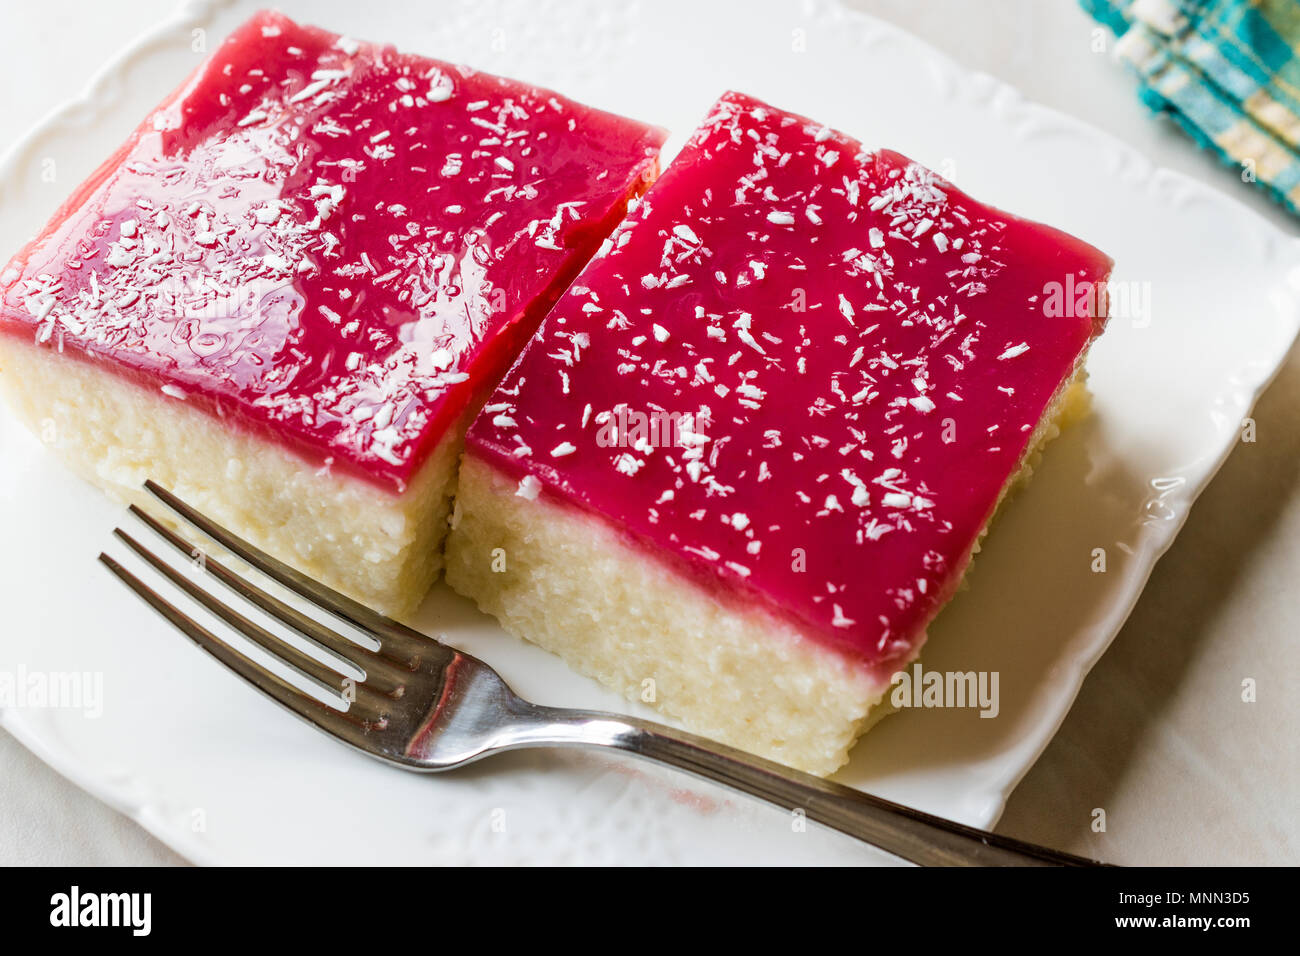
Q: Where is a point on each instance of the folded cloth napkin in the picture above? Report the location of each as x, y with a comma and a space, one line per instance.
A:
1227, 71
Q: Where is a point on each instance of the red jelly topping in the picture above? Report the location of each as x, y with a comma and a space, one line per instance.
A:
330, 241
861, 353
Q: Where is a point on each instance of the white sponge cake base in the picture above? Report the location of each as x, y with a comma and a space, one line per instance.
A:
383, 549
567, 581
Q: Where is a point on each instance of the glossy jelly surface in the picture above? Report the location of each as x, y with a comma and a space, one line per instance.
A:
802, 371
329, 241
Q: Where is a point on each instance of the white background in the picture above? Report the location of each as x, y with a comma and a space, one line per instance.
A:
1154, 738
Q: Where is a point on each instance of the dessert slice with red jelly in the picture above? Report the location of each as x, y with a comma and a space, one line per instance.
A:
748, 456
286, 293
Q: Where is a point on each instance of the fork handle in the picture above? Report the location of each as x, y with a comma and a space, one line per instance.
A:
915, 836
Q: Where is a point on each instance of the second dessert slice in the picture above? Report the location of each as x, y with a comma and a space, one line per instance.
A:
287, 291
748, 456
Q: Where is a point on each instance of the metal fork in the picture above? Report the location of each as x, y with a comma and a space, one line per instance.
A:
425, 706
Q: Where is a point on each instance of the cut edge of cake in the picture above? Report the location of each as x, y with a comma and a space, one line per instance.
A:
735, 672
381, 548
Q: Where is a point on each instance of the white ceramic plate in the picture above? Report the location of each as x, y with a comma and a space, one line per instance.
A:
223, 776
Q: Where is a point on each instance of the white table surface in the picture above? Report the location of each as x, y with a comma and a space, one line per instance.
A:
1159, 738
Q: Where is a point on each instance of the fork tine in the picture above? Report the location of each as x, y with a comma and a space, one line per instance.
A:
384, 674
277, 688
410, 642
326, 677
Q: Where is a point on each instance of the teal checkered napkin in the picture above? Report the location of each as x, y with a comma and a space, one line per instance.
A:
1227, 71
